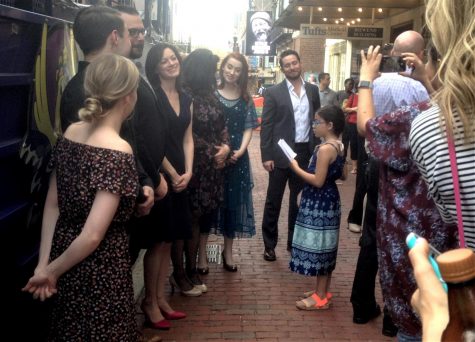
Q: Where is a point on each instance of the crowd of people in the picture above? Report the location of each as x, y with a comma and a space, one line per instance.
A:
159, 161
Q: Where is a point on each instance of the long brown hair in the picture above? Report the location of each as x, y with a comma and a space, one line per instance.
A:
243, 78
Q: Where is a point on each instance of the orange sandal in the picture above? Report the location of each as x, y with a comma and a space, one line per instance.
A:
320, 304
310, 293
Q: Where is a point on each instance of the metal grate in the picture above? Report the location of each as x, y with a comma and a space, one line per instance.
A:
213, 253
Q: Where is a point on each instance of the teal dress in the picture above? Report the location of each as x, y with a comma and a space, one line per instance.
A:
236, 214
315, 241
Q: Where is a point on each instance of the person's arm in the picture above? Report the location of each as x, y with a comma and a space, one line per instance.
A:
429, 300
43, 283
180, 182
326, 154
369, 72
267, 128
348, 105
246, 139
50, 217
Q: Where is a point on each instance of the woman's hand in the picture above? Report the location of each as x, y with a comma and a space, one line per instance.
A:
370, 64
221, 155
294, 165
429, 300
419, 72
180, 183
144, 208
42, 285
235, 156
418, 67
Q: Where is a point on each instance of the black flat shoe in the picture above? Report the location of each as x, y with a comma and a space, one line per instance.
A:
269, 255
368, 316
203, 271
229, 268
389, 329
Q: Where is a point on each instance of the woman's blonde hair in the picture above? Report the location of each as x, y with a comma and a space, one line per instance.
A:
108, 78
452, 25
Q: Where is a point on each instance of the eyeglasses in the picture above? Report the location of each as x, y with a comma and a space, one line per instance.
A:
317, 122
135, 32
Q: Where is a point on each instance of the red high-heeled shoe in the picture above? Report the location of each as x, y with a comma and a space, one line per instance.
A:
161, 325
173, 316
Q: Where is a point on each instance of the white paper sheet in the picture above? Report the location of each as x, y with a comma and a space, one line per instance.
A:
289, 153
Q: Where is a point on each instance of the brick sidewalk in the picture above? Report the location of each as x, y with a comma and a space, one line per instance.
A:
257, 302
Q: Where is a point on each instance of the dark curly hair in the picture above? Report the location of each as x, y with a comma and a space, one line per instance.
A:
199, 69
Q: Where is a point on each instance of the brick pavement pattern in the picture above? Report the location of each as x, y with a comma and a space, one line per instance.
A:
257, 303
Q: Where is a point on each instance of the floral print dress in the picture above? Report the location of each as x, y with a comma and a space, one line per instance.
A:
95, 299
209, 130
317, 228
404, 206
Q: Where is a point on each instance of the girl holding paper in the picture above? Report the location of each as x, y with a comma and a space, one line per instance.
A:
315, 241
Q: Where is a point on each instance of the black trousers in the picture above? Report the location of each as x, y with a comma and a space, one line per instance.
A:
356, 213
278, 179
362, 293
349, 138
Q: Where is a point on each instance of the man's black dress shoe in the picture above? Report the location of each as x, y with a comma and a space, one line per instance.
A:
269, 255
363, 318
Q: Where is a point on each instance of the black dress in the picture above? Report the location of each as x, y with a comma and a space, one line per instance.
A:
95, 299
170, 218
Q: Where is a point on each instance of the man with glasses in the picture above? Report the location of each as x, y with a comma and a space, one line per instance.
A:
149, 126
288, 112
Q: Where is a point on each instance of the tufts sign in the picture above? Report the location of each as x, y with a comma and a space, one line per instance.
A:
340, 31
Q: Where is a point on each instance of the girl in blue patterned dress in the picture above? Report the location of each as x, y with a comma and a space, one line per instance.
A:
236, 214
315, 241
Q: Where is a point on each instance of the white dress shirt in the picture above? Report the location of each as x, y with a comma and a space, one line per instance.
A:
301, 107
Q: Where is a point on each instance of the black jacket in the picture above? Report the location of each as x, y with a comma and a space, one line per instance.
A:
278, 121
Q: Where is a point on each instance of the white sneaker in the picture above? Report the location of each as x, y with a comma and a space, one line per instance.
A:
353, 227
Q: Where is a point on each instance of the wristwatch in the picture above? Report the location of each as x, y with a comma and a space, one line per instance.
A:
365, 84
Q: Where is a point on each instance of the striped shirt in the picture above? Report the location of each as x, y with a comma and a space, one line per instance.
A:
431, 154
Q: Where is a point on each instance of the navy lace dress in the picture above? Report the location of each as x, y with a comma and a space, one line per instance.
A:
236, 214
315, 241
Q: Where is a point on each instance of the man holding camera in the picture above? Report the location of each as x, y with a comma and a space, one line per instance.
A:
390, 91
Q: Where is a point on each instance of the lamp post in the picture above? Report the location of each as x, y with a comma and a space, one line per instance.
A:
235, 44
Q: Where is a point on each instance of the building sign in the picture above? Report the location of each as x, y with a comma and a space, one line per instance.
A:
259, 24
340, 31
365, 32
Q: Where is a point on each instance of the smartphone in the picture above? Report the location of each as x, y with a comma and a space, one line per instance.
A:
411, 241
392, 64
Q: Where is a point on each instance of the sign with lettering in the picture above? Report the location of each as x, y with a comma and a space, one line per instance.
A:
340, 31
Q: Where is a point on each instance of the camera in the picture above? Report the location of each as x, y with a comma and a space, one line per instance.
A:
392, 64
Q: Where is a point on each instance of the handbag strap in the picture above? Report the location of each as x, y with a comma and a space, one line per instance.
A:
458, 202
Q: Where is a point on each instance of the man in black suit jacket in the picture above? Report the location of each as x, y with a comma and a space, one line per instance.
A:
288, 112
